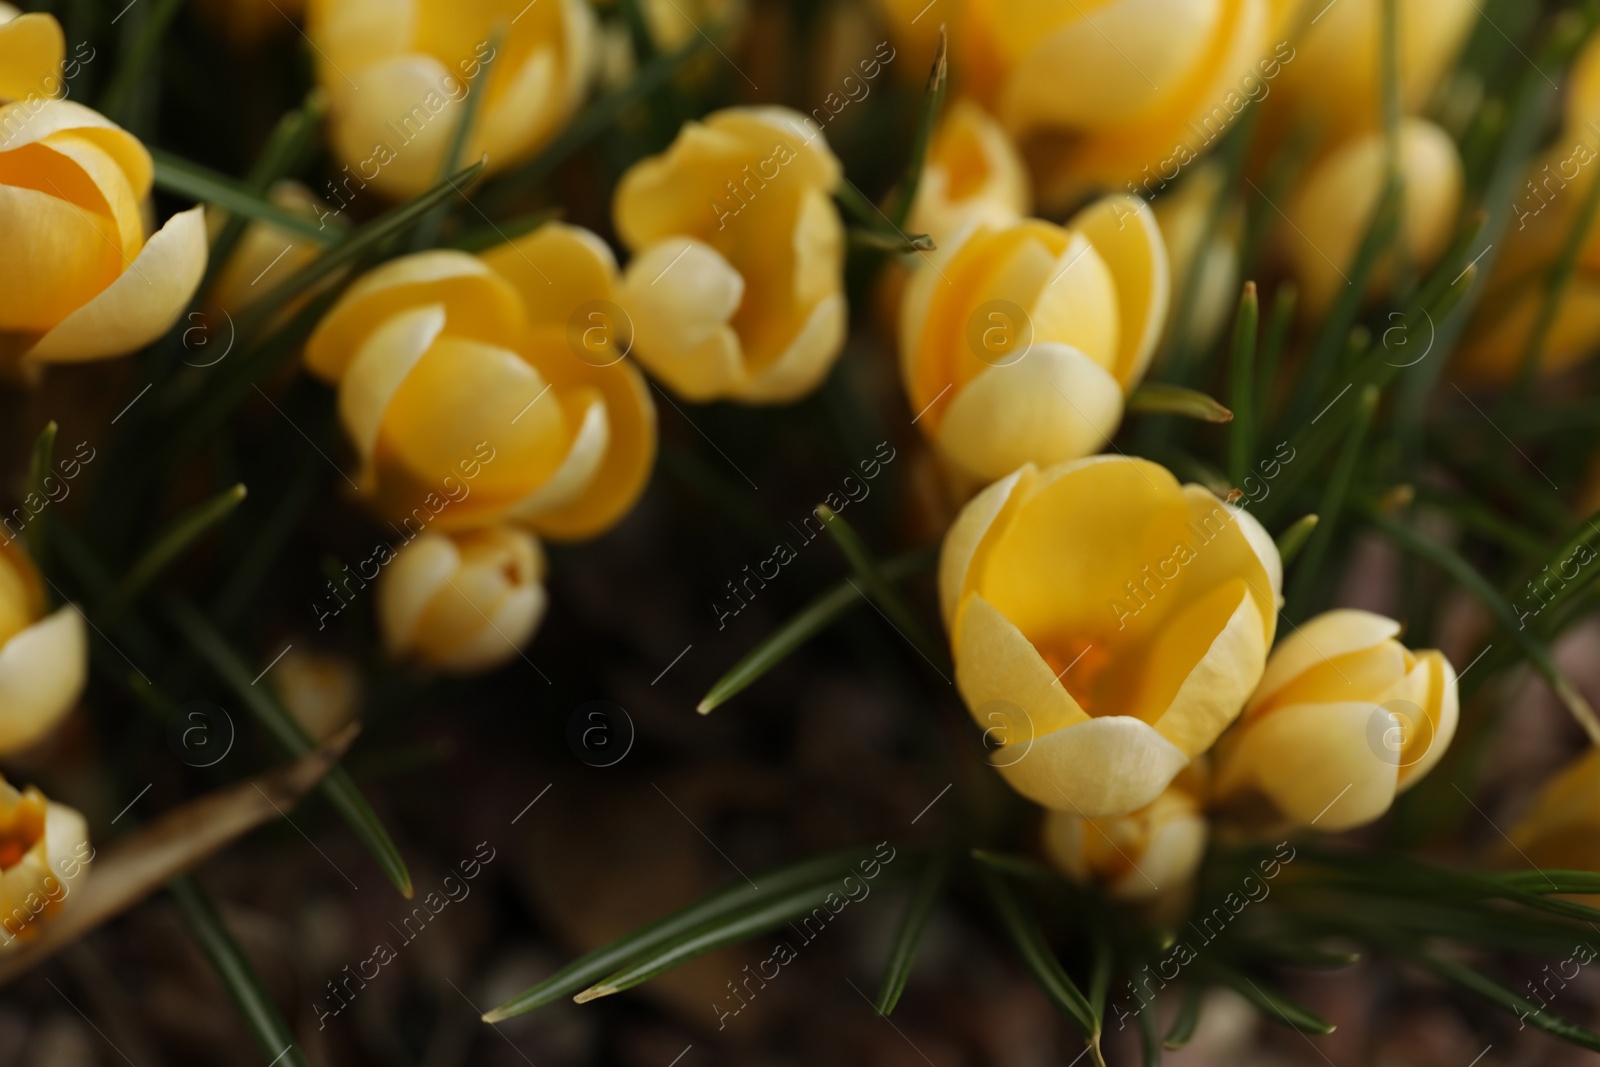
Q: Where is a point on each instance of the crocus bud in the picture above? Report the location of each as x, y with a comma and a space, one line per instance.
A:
398, 75
321, 692
1019, 343
80, 280
44, 852
1345, 718
463, 603
736, 287
1107, 624
1561, 829
44, 659
1137, 856
972, 175
485, 388
1330, 213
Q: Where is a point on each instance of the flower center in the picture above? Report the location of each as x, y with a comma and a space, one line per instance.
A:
1079, 664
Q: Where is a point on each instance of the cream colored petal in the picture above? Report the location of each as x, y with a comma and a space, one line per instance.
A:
66, 837
1214, 692
1323, 765
377, 370
42, 118
679, 293
1124, 231
576, 472
1168, 861
501, 637
962, 540
998, 670
31, 49
1052, 405
479, 303
42, 671
142, 304
1443, 711
927, 282
524, 110
410, 582
402, 107
1325, 637
352, 34
1107, 766
807, 360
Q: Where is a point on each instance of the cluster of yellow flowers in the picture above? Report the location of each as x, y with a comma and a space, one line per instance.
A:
1112, 628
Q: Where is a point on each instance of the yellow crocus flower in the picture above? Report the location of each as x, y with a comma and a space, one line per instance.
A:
44, 658
736, 286
398, 75
80, 279
1345, 718
44, 852
1107, 624
1020, 342
492, 387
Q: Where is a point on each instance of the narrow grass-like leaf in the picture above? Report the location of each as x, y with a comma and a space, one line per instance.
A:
1149, 1044
1525, 1010
176, 175
881, 241
927, 119
1188, 1018
337, 787
1585, 536
1467, 576
1481, 519
1332, 504
731, 901
484, 237
878, 586
856, 204
1292, 540
1272, 1004
172, 542
1274, 342
1160, 398
39, 460
249, 993
1023, 929
729, 930
1550, 881
802, 627
913, 924
1242, 371
1015, 866
252, 566
1100, 975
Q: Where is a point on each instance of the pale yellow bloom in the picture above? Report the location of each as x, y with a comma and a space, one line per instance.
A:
266, 255
80, 280
465, 602
44, 659
1019, 343
492, 387
1106, 93
972, 175
1138, 856
1183, 216
1335, 83
398, 73
675, 23
1107, 624
1561, 830
1330, 212
321, 692
1344, 719
44, 852
736, 286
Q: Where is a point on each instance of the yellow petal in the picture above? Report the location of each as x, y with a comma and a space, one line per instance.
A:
1214, 689
966, 535
31, 49
1326, 637
353, 34
48, 117
1053, 404
577, 471
106, 192
1316, 760
395, 127
1071, 298
1106, 766
141, 304
557, 268
806, 362
477, 302
681, 294
58, 256
378, 368
1124, 232
997, 669
42, 671
1426, 742
410, 582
